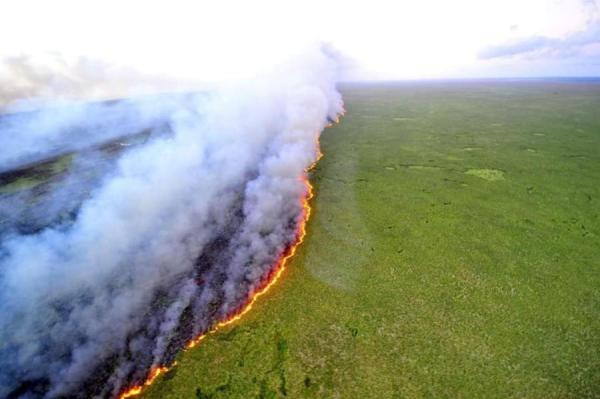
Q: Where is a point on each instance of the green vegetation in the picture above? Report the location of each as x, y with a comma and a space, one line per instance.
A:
61, 164
22, 183
487, 174
454, 251
36, 175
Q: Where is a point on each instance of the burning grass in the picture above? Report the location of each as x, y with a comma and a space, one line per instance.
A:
269, 281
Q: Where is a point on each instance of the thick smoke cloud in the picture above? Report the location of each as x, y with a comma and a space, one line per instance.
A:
28, 81
63, 88
170, 240
33, 136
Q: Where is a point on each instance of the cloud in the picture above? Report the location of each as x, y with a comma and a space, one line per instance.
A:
27, 81
580, 43
541, 46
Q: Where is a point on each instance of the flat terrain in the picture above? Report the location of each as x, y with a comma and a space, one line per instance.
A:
454, 251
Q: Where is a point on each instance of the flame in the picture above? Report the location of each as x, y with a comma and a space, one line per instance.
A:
154, 373
279, 267
270, 280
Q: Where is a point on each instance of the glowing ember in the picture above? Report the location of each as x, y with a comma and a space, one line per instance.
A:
135, 391
154, 373
267, 283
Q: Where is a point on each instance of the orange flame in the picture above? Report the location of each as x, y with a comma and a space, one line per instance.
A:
154, 373
268, 282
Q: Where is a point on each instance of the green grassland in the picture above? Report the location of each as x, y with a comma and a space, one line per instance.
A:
454, 251
36, 175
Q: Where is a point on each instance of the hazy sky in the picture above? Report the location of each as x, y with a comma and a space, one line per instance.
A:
385, 39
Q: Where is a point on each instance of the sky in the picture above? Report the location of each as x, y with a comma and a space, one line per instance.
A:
221, 40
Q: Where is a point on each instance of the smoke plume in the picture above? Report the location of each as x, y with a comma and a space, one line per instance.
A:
28, 80
168, 236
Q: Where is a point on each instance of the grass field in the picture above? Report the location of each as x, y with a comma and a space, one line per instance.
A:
454, 251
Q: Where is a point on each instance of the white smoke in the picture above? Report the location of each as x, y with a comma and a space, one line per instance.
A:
32, 136
171, 241
29, 81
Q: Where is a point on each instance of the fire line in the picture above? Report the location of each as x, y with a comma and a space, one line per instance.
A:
263, 287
